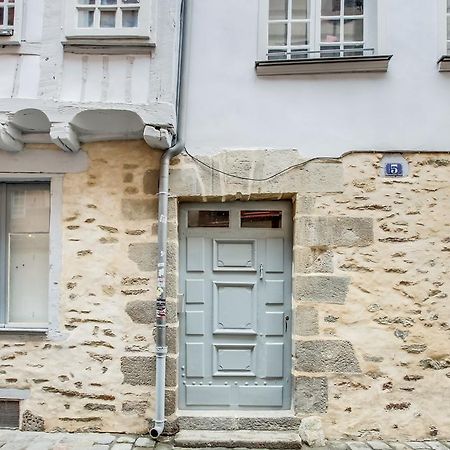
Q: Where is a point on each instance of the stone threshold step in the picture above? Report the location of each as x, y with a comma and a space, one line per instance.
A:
247, 439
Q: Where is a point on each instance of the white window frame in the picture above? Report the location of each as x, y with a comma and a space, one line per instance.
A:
144, 30
16, 29
55, 238
371, 29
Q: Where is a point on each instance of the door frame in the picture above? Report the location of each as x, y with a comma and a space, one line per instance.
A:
245, 233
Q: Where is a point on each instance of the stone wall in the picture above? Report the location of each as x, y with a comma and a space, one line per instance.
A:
370, 295
371, 315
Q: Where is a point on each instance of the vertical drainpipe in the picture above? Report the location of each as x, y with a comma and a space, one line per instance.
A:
163, 206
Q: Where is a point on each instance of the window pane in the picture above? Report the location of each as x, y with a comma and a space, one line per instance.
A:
28, 208
353, 7
353, 50
86, 2
330, 31
261, 219
299, 32
448, 6
130, 18
275, 54
28, 278
299, 53
11, 15
278, 9
108, 2
198, 218
1, 15
107, 19
129, 2
85, 19
277, 34
448, 27
330, 51
300, 9
353, 30
331, 7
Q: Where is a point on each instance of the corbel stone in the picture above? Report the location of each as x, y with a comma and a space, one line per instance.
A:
11, 138
157, 138
65, 137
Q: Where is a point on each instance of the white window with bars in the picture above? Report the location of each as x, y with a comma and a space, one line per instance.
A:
108, 18
300, 29
7, 16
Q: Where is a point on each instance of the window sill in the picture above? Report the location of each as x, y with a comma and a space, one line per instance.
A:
120, 45
314, 66
24, 330
444, 63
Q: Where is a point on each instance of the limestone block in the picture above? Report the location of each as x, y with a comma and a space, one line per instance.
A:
313, 260
141, 311
306, 321
326, 356
144, 255
151, 181
138, 370
321, 288
311, 395
311, 432
135, 407
317, 231
140, 208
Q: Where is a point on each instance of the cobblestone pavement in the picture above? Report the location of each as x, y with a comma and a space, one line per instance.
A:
19, 440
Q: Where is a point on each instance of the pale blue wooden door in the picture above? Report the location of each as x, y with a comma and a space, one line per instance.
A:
235, 277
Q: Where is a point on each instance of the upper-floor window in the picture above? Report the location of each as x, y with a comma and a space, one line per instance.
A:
320, 28
7, 13
448, 26
108, 18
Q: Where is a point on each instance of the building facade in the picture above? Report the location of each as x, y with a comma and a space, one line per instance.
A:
308, 221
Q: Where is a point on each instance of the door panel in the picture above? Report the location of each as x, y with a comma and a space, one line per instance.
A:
235, 269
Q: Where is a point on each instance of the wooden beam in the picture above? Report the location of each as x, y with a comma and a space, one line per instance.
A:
10, 138
65, 137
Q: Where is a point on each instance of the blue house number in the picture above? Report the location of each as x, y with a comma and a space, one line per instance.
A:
393, 170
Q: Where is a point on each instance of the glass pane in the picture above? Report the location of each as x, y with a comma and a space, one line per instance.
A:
331, 7
86, 2
28, 278
448, 27
329, 51
108, 2
277, 34
299, 32
107, 19
130, 18
353, 30
11, 15
28, 208
353, 7
278, 9
299, 53
330, 31
300, 9
353, 50
1, 15
209, 219
129, 2
261, 219
448, 6
85, 19
276, 54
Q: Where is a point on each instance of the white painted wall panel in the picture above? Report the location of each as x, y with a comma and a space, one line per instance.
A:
140, 79
72, 78
33, 20
117, 70
230, 107
29, 76
94, 77
8, 69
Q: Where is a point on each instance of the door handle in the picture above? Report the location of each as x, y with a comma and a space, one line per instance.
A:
261, 271
286, 320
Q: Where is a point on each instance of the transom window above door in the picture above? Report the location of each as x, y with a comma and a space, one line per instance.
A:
299, 29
